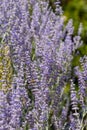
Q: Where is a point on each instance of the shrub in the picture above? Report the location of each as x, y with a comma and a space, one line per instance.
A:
43, 94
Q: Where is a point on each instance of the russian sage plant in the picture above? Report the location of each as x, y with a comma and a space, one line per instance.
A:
38, 90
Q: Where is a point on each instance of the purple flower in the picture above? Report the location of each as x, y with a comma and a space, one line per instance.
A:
41, 53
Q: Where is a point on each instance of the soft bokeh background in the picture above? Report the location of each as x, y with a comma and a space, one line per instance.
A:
76, 10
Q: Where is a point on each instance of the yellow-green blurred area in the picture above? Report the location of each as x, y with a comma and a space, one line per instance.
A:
76, 10
5, 67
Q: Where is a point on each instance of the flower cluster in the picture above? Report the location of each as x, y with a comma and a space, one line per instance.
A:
40, 53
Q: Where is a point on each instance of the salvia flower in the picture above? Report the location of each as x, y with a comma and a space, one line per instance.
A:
37, 68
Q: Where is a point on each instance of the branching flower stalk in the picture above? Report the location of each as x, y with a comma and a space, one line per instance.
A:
37, 56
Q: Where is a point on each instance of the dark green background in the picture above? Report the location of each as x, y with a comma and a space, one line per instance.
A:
76, 10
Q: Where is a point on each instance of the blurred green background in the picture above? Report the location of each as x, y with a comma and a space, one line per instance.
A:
76, 10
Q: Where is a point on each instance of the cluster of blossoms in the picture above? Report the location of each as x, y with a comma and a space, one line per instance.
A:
40, 51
